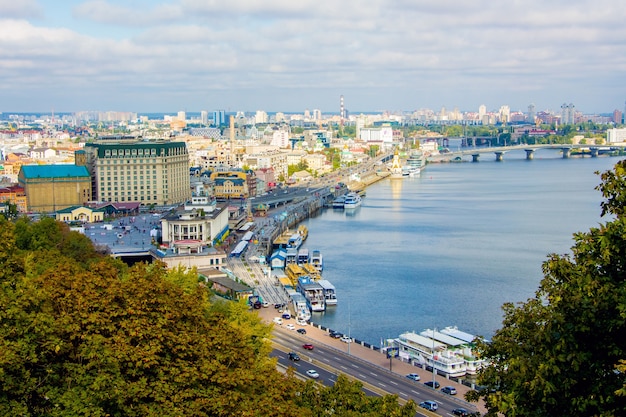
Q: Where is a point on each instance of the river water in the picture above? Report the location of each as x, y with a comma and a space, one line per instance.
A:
450, 247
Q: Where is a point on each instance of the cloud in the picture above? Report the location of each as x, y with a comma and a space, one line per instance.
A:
20, 9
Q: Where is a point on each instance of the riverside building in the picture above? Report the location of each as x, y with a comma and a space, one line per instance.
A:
126, 169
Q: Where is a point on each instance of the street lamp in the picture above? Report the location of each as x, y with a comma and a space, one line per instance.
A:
433, 360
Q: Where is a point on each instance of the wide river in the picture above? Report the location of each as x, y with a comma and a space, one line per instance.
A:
450, 247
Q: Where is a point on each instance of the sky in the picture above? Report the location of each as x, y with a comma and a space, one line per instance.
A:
292, 55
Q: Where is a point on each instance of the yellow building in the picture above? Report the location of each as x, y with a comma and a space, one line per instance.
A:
230, 185
80, 214
50, 188
14, 194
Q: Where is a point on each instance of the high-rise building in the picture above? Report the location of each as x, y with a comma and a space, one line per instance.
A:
182, 116
204, 117
145, 172
219, 118
532, 114
260, 117
567, 114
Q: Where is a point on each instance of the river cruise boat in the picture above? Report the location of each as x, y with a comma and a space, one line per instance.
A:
303, 256
300, 306
313, 292
330, 295
338, 203
317, 260
353, 200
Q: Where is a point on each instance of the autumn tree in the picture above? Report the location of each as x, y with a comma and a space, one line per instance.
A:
562, 352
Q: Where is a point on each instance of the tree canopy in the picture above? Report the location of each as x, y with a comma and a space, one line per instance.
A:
562, 352
83, 334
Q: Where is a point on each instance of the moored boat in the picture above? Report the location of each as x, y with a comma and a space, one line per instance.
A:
353, 200
330, 294
317, 260
312, 292
338, 202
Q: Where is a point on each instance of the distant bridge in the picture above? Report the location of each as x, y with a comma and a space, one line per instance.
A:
499, 151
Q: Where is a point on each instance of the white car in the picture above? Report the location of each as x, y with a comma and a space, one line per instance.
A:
346, 339
312, 373
290, 327
301, 322
278, 321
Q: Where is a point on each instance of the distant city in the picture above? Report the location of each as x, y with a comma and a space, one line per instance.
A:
51, 161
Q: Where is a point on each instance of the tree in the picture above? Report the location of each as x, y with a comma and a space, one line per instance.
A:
562, 352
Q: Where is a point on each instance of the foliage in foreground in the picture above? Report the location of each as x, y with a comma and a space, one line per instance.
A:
85, 335
562, 352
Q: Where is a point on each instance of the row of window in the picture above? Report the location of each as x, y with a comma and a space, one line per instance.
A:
130, 152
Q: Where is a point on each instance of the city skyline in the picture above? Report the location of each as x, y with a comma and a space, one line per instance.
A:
290, 56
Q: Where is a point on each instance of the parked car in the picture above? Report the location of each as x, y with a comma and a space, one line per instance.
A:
301, 331
414, 377
278, 320
301, 322
290, 326
308, 346
293, 356
335, 334
448, 390
312, 373
462, 412
266, 304
286, 316
430, 384
429, 405
346, 339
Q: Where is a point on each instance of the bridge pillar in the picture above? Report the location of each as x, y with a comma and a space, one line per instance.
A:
499, 156
567, 152
594, 152
530, 154
475, 157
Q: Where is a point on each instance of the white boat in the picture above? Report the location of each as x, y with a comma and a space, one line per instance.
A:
317, 261
295, 241
339, 202
312, 292
300, 306
330, 295
303, 256
353, 200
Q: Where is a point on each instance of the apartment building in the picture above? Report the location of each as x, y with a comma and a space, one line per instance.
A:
138, 171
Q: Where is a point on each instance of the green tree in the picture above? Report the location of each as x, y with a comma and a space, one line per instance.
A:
562, 352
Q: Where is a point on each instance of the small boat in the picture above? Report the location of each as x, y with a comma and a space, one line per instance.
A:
317, 261
303, 256
353, 200
338, 202
295, 241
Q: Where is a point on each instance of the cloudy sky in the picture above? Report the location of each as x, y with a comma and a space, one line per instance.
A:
291, 55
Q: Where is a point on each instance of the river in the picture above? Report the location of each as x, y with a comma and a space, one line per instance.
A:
450, 247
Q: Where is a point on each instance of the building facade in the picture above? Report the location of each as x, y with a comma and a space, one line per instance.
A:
146, 172
50, 188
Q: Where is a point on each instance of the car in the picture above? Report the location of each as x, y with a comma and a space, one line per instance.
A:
448, 390
462, 412
278, 320
414, 377
335, 334
346, 339
277, 306
312, 373
286, 316
290, 327
293, 356
301, 331
307, 346
266, 304
257, 305
429, 405
430, 384
301, 322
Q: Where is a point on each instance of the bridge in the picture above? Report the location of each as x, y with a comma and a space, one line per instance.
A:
500, 151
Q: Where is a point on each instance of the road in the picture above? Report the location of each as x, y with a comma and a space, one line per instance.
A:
330, 360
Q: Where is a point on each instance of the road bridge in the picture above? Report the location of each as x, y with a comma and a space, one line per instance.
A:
500, 151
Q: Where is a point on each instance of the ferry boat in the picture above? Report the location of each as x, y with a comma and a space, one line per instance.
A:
300, 306
353, 200
338, 203
295, 241
330, 295
303, 231
303, 256
317, 261
313, 292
